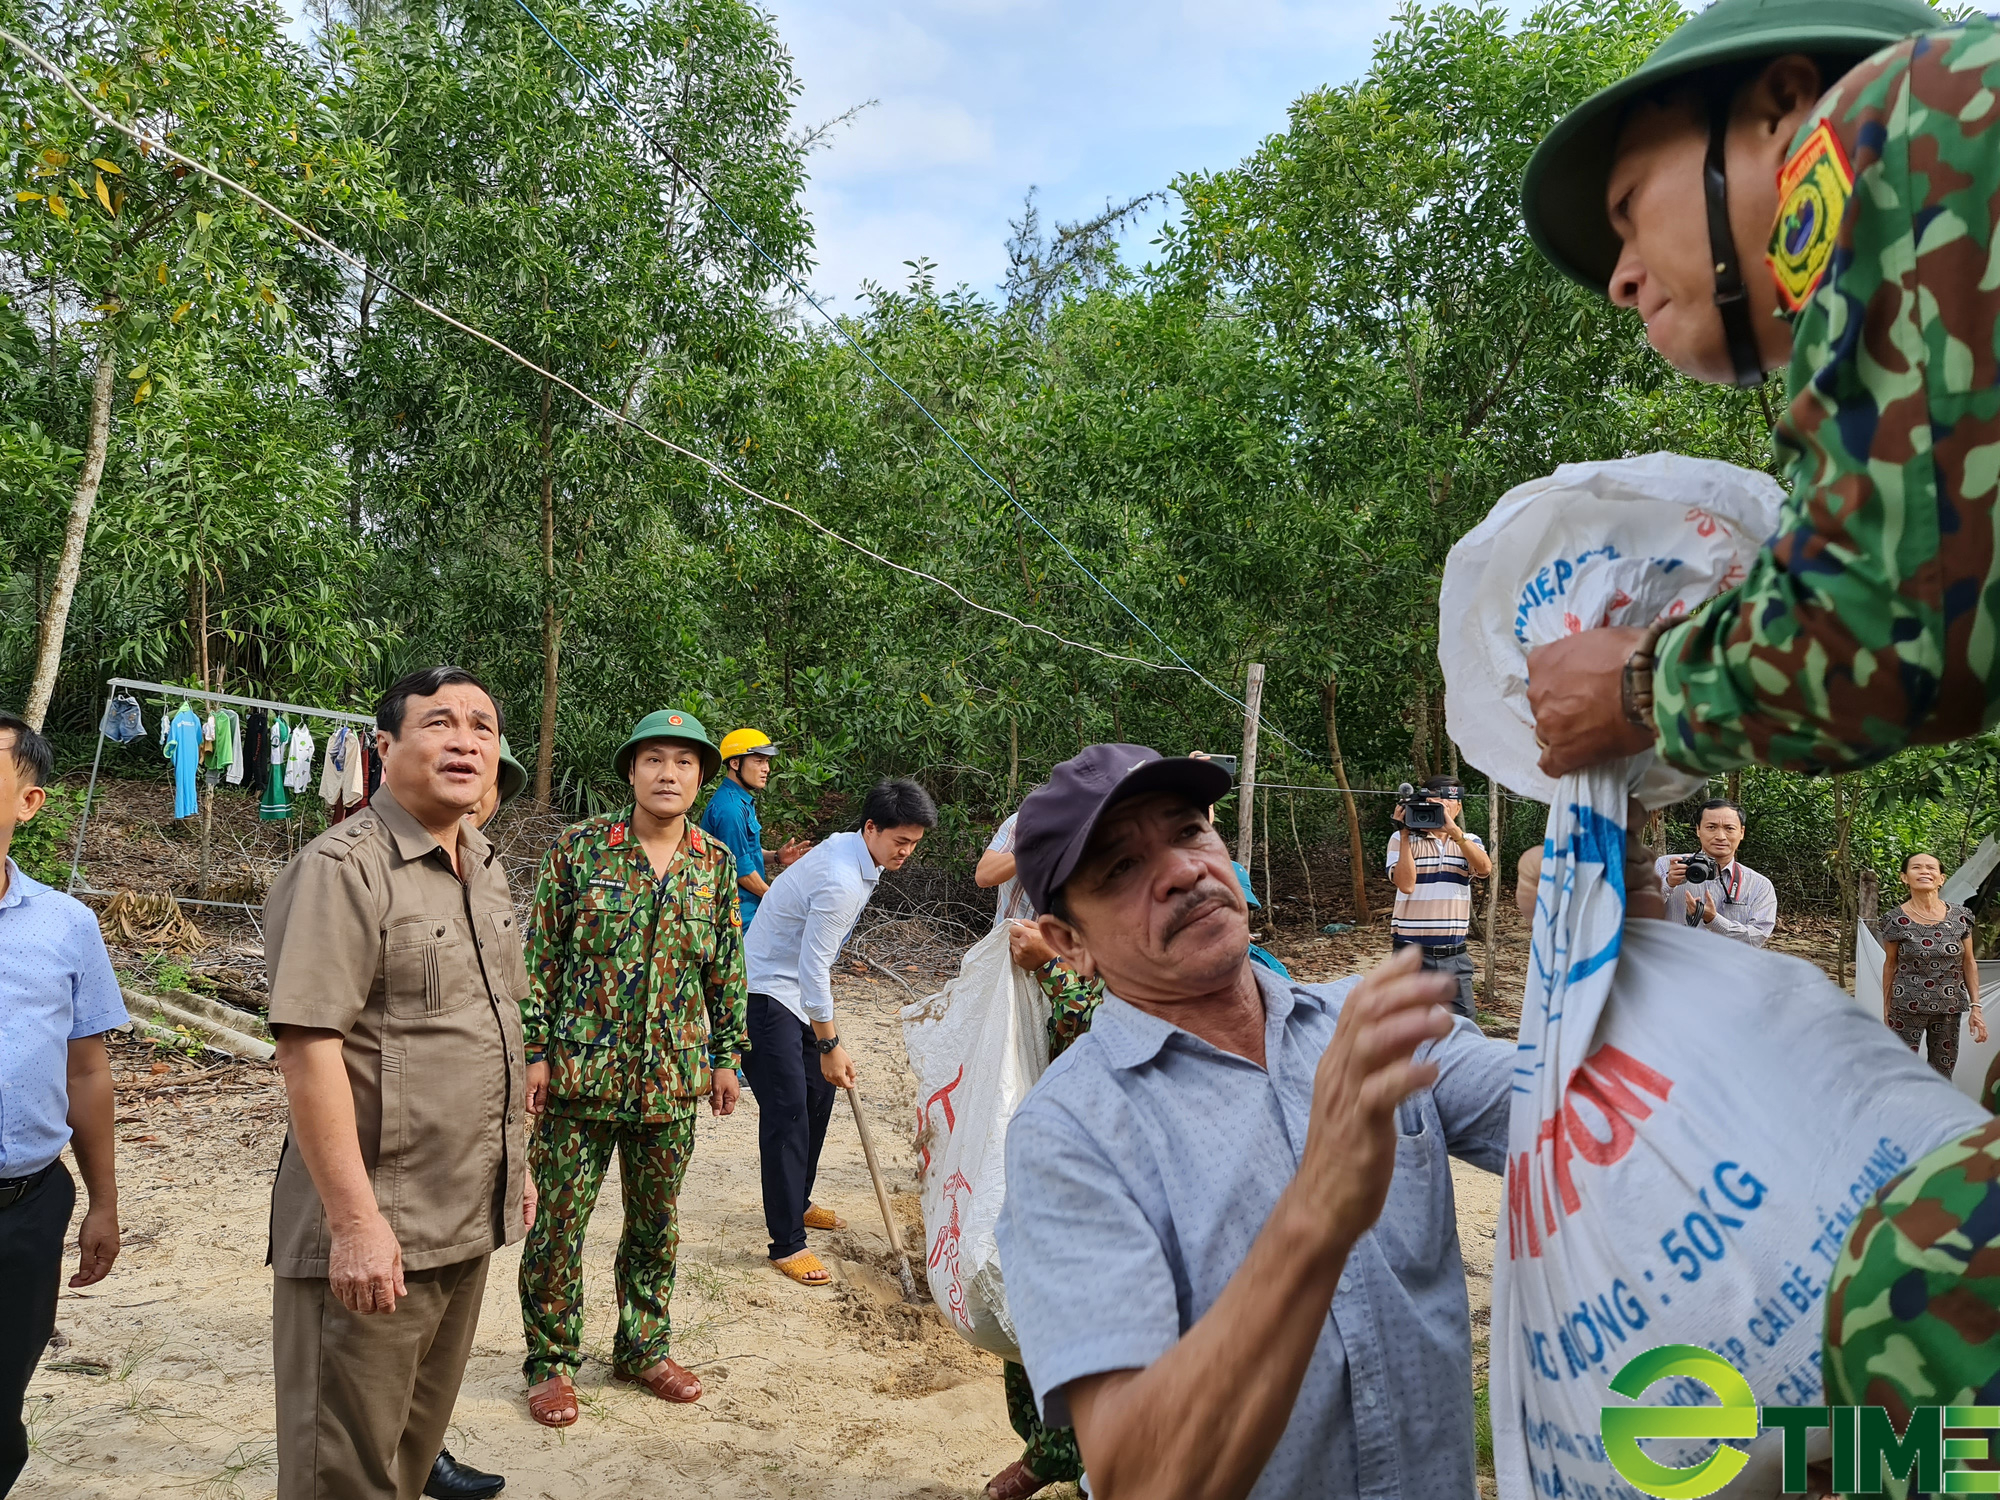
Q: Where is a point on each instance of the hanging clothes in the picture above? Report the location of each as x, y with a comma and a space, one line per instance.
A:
184, 750
341, 780
123, 720
257, 748
299, 760
232, 768
374, 771
277, 803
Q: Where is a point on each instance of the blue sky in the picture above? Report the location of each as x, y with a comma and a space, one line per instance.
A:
1088, 100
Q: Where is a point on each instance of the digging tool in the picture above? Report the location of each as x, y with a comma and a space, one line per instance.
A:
882, 1198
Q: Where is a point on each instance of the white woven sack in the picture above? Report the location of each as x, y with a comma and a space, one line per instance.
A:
1695, 1122
977, 1047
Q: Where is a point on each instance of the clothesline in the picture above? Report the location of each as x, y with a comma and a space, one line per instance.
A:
347, 722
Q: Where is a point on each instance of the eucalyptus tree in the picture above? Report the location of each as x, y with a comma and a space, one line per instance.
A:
126, 247
539, 214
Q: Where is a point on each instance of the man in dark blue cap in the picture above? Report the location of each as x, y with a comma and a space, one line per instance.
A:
1229, 1240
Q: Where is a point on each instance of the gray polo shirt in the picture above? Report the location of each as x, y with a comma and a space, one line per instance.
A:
1145, 1163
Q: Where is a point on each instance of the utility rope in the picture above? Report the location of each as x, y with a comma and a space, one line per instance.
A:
148, 145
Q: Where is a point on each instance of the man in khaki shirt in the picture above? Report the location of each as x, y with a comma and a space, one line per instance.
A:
396, 981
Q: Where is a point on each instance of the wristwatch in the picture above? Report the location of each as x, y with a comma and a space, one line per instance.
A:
826, 1044
1635, 684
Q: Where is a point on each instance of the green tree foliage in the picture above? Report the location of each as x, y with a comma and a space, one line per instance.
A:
1258, 447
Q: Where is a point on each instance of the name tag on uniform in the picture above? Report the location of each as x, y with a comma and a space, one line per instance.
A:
607, 885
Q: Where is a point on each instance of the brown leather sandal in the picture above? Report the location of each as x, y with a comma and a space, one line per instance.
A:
806, 1269
555, 1395
668, 1381
1015, 1482
823, 1218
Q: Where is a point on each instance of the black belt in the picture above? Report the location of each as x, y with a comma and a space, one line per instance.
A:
1442, 950
14, 1189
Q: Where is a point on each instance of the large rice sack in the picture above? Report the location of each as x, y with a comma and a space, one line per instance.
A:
1695, 1122
977, 1047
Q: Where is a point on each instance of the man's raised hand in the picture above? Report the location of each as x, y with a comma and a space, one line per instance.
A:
1368, 1070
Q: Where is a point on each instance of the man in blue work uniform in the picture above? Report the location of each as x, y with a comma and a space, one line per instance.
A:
731, 815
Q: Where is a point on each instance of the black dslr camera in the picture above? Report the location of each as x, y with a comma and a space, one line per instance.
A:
1699, 869
1422, 810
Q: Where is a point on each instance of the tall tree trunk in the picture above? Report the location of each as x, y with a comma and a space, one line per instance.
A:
48, 651
552, 625
1420, 737
1355, 858
1013, 758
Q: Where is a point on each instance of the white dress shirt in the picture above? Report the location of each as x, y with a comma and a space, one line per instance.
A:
1746, 904
802, 922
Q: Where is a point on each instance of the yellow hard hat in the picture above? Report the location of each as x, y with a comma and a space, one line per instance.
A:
747, 742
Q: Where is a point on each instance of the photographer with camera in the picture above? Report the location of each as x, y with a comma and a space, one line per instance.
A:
1719, 891
1434, 885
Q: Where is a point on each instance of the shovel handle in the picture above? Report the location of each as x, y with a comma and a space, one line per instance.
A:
881, 1191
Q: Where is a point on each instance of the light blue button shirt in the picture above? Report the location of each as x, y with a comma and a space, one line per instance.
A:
1144, 1164
802, 921
56, 986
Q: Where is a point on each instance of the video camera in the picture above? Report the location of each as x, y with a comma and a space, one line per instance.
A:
1424, 810
1699, 869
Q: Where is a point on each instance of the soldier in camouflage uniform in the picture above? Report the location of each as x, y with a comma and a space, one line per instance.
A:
1868, 622
1911, 1305
635, 1013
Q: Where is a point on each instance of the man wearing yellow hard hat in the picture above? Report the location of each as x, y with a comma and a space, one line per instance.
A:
731, 815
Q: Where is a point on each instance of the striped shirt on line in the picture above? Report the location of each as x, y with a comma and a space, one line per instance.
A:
1438, 912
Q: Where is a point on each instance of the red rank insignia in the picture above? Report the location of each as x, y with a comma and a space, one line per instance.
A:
616, 836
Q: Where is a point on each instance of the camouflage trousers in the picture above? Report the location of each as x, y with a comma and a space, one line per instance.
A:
568, 1157
1913, 1303
1051, 1453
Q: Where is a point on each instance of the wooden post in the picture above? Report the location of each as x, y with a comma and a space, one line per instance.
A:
1246, 768
1493, 795
1356, 858
1843, 877
1270, 894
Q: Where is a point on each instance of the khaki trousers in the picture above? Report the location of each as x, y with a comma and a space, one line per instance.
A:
364, 1400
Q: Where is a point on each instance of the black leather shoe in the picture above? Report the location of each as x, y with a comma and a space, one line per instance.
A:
452, 1480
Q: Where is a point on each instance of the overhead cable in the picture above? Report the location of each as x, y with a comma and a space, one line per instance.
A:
148, 144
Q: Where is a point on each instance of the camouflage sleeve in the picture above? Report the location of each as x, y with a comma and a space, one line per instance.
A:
1867, 623
548, 941
723, 981
1073, 1001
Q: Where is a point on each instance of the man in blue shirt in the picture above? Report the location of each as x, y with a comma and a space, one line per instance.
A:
1229, 1243
731, 815
795, 1061
58, 996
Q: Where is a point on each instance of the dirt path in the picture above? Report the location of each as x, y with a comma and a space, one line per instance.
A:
164, 1384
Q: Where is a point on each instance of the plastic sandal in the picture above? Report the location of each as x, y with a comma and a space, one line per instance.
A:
806, 1269
670, 1382
823, 1218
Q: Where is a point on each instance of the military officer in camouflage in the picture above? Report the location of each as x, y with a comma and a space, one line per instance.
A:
1764, 196
1816, 184
635, 1013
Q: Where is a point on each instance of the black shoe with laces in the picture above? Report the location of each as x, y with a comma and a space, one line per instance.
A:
452, 1480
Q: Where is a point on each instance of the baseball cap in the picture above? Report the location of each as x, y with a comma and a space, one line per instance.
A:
1053, 828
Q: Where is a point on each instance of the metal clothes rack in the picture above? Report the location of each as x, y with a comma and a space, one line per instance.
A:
171, 690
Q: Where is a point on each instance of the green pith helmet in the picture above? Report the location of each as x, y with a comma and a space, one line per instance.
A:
1562, 197
513, 775
669, 724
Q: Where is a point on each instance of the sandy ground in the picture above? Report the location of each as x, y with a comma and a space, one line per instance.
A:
160, 1381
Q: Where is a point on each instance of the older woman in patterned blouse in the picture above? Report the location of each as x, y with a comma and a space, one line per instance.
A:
1929, 978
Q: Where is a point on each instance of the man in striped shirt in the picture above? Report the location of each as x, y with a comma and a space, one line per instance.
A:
1434, 889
